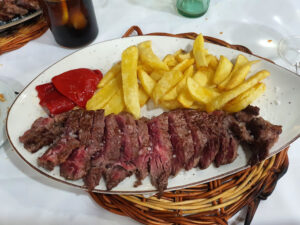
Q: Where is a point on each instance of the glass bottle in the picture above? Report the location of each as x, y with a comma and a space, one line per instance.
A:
192, 8
72, 22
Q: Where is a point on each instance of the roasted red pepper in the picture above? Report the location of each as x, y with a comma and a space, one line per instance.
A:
78, 85
54, 101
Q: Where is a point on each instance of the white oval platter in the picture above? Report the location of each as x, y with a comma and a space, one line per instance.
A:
280, 105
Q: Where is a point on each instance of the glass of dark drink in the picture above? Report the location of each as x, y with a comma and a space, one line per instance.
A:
72, 22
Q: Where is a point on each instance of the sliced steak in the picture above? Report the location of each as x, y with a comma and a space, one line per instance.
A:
95, 149
12, 8
28, 4
97, 168
115, 175
85, 127
265, 135
104, 159
58, 153
125, 166
97, 132
72, 124
145, 146
75, 167
213, 128
182, 142
247, 114
130, 143
39, 135
193, 117
161, 155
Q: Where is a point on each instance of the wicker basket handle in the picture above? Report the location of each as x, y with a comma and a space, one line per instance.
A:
190, 35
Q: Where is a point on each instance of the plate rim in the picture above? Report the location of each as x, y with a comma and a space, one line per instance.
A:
82, 187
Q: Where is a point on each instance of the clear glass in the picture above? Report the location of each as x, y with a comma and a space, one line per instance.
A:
289, 50
72, 22
192, 8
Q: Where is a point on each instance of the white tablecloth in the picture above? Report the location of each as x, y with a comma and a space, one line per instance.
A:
29, 198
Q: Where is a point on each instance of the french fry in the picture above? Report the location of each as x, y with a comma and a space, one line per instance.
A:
173, 93
173, 104
145, 67
209, 73
225, 97
185, 98
149, 58
239, 75
182, 56
170, 60
223, 70
143, 97
180, 51
198, 105
114, 70
245, 99
184, 65
148, 83
157, 74
201, 94
101, 97
129, 80
199, 51
212, 61
116, 103
240, 61
200, 78
169, 80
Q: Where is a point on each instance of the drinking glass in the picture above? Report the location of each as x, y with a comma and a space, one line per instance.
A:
289, 50
192, 8
72, 22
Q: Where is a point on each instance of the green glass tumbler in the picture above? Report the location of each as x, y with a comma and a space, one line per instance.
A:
192, 8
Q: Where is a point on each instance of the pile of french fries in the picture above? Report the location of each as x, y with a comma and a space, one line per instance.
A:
196, 80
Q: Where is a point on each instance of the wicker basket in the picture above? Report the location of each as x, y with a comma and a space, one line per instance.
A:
214, 202
17, 36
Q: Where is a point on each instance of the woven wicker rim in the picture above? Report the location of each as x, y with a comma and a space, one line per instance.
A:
20, 35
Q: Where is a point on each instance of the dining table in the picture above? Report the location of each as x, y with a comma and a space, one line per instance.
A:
28, 198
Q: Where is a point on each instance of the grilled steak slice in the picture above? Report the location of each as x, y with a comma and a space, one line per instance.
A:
75, 167
145, 146
104, 159
247, 114
265, 135
43, 132
182, 142
58, 153
213, 128
130, 144
28, 4
95, 149
11, 8
98, 128
97, 168
258, 135
161, 154
93, 177
86, 124
113, 139
72, 124
39, 135
129, 151
193, 118
115, 175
